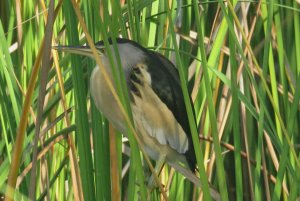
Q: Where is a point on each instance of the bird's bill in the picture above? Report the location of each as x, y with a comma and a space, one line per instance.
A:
80, 50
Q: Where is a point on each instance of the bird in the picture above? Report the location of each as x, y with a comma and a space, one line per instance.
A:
156, 99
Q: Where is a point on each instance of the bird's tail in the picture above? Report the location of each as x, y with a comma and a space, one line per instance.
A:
194, 179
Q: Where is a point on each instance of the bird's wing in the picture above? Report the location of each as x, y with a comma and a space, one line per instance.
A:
166, 84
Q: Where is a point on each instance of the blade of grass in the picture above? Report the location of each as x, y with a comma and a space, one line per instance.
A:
260, 145
81, 119
297, 34
8, 72
18, 146
212, 115
42, 93
99, 124
291, 127
235, 115
192, 123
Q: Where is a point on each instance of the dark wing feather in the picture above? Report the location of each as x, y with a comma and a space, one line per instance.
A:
166, 84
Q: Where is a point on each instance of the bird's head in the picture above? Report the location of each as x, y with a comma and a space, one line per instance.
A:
129, 52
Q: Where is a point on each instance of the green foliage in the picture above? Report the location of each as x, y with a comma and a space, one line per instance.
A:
239, 61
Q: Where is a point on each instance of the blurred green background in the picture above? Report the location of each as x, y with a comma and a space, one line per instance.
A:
238, 59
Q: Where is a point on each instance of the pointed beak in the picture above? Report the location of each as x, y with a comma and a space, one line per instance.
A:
80, 50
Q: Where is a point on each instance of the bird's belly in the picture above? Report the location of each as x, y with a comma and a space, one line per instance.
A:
105, 101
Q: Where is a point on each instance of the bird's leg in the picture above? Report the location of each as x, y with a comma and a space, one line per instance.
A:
158, 167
